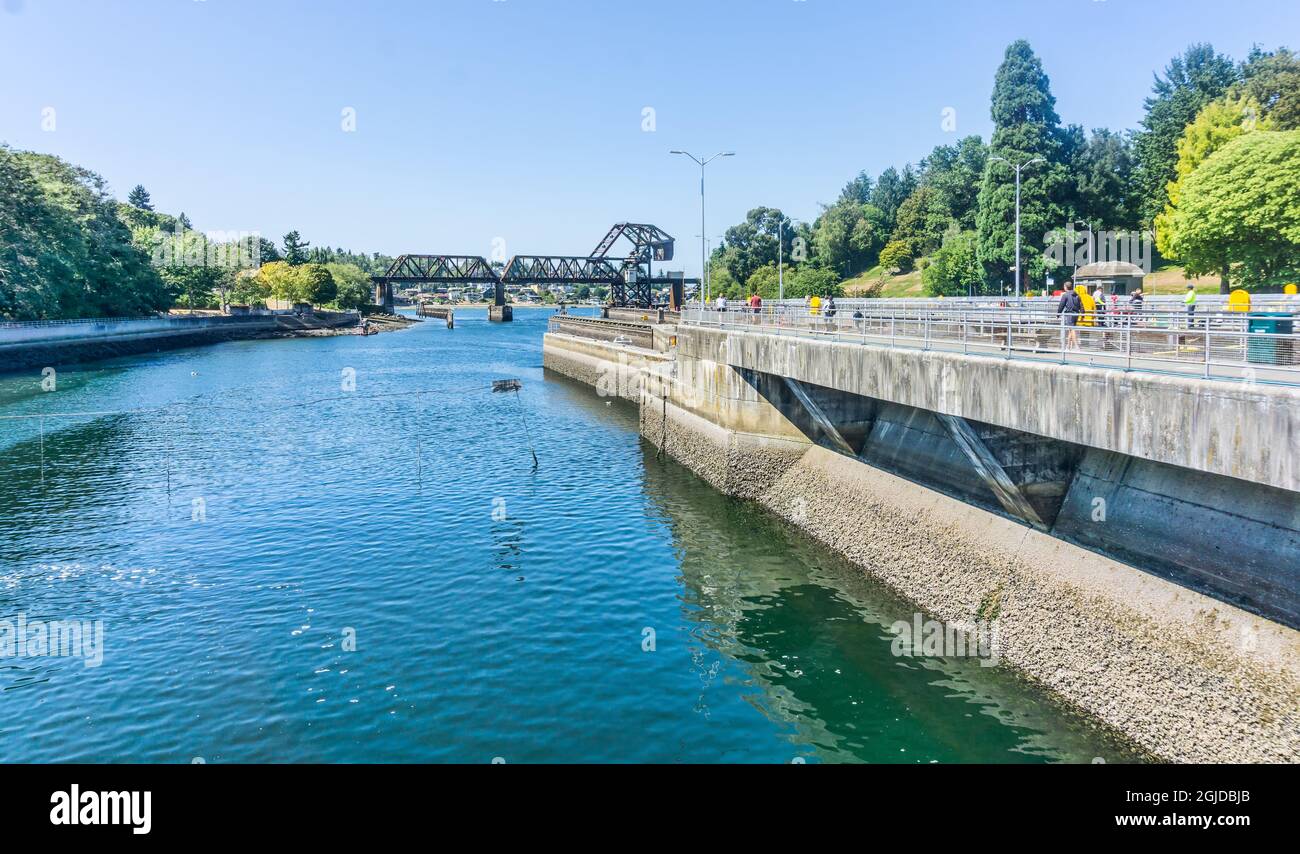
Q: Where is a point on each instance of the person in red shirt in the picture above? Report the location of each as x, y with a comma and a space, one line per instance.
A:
756, 303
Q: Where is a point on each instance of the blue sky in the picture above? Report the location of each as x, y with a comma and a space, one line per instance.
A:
523, 119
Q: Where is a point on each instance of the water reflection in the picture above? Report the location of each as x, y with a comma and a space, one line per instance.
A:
810, 632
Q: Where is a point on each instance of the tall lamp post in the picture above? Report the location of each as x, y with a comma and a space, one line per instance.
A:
780, 261
1018, 167
703, 163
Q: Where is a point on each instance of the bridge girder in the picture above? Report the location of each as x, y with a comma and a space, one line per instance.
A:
631, 276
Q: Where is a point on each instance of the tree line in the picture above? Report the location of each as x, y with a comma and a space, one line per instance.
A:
1213, 171
68, 249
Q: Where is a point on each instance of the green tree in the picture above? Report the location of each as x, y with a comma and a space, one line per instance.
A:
352, 283
1239, 211
764, 282
897, 256
318, 285
892, 188
249, 289
1217, 124
955, 270
955, 172
923, 218
1273, 80
1189, 83
857, 191
1026, 126
847, 237
809, 280
64, 249
1102, 170
752, 243
139, 198
295, 249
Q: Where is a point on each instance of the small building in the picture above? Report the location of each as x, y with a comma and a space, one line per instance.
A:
1115, 277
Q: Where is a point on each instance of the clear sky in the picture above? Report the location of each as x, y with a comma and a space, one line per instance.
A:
523, 119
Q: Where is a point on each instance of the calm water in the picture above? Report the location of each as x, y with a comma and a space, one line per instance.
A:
496, 611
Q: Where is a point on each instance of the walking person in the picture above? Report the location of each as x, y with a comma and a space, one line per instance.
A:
830, 310
1069, 308
756, 305
1190, 301
1099, 297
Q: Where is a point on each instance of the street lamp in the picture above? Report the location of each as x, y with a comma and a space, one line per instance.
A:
1018, 167
707, 274
780, 262
703, 163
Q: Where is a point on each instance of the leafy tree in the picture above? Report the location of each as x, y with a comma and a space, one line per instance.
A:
268, 251
752, 243
764, 281
955, 172
139, 198
249, 288
922, 221
1273, 80
1238, 212
295, 249
897, 255
64, 250
809, 280
1102, 170
353, 287
857, 191
1189, 83
184, 221
955, 270
891, 190
847, 237
1026, 126
280, 280
318, 284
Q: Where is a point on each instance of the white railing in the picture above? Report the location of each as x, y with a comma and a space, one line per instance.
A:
1227, 345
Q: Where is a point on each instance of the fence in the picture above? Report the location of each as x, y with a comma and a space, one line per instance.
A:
1253, 346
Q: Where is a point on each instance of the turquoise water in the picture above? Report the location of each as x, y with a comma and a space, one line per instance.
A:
287, 570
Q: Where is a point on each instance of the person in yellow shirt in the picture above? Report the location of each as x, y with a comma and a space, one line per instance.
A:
1190, 302
815, 305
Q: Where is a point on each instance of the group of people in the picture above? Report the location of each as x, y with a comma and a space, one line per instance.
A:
1071, 309
813, 305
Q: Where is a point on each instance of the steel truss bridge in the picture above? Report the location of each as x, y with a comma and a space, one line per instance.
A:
631, 278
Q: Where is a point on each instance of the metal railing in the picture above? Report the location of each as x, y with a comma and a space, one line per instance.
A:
1209, 344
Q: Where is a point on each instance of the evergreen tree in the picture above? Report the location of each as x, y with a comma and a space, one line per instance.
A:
1273, 79
891, 190
295, 249
184, 222
955, 172
1102, 169
857, 191
1026, 126
1190, 82
139, 198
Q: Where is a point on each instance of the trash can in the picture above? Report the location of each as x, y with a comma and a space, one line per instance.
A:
1269, 351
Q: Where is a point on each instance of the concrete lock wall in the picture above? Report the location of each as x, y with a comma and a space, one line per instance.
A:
1183, 673
1249, 431
27, 345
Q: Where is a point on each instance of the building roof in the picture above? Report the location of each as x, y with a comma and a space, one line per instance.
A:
1109, 270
